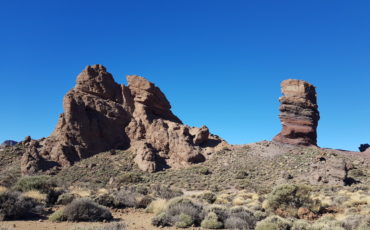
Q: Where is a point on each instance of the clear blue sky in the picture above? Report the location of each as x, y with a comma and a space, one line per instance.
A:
220, 63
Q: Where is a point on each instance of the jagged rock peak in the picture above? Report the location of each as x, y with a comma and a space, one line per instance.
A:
299, 113
100, 115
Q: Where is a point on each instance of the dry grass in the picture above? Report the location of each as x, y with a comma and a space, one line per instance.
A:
239, 201
223, 199
157, 206
3, 189
35, 194
81, 192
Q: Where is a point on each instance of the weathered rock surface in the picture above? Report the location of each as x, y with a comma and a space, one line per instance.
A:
329, 170
299, 113
100, 115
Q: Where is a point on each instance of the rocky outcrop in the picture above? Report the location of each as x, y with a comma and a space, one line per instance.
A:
329, 170
100, 115
299, 113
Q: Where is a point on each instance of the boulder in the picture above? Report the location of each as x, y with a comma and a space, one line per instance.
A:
101, 115
299, 113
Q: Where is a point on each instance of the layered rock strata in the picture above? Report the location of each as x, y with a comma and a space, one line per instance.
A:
299, 113
100, 115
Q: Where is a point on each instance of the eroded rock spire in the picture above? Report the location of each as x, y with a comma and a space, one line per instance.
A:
299, 113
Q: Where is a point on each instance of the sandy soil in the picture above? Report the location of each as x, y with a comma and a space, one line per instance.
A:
134, 219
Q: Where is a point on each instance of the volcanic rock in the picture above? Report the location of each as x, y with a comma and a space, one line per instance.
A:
101, 115
329, 170
8, 143
299, 113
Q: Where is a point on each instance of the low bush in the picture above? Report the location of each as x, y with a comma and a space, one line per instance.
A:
301, 225
156, 206
65, 198
285, 200
14, 206
130, 178
125, 199
241, 219
57, 216
180, 212
86, 210
352, 221
41, 183
327, 223
165, 192
161, 220
221, 212
212, 221
274, 223
184, 221
209, 197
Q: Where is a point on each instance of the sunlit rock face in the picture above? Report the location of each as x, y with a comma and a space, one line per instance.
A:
299, 113
100, 115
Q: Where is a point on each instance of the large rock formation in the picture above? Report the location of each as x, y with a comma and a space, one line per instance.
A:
100, 115
299, 113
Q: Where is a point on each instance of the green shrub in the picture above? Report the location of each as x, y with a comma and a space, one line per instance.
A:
327, 223
161, 220
166, 192
184, 221
179, 212
130, 178
290, 197
241, 219
57, 216
211, 221
13, 206
353, 221
40, 183
274, 223
301, 225
86, 210
65, 198
209, 197
221, 212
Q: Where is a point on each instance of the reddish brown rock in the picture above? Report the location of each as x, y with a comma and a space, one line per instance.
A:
100, 115
299, 113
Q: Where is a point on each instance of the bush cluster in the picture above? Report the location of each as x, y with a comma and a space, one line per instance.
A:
286, 199
14, 206
82, 210
166, 192
181, 213
40, 183
124, 199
